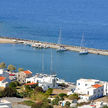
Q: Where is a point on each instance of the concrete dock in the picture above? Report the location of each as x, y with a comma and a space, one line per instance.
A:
51, 45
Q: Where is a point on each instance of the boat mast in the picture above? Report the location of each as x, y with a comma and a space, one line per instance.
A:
59, 39
42, 62
51, 63
82, 41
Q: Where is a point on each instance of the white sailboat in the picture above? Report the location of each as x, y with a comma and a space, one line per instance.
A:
61, 48
82, 49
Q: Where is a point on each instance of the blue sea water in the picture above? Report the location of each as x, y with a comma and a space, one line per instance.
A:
41, 20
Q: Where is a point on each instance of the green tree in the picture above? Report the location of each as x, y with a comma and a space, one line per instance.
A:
1, 94
9, 92
2, 65
105, 106
12, 85
11, 67
20, 69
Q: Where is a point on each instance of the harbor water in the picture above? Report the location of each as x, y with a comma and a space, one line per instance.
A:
67, 65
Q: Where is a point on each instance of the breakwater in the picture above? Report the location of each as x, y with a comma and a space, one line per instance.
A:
40, 44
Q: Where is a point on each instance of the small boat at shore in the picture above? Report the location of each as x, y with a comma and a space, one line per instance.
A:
61, 48
83, 51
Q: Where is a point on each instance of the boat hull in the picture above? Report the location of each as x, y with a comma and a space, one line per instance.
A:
61, 50
83, 53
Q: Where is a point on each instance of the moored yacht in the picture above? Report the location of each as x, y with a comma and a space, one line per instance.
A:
61, 48
83, 51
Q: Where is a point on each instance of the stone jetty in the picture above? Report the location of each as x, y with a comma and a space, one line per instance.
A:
40, 44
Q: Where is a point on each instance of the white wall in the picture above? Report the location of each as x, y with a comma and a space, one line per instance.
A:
4, 103
44, 82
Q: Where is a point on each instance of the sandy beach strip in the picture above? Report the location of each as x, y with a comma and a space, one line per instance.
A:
3, 40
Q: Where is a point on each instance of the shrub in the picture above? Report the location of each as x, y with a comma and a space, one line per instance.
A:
49, 91
38, 96
38, 89
62, 94
55, 101
41, 105
27, 102
67, 104
73, 96
37, 105
83, 103
63, 85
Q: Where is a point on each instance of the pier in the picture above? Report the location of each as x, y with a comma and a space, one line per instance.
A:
39, 44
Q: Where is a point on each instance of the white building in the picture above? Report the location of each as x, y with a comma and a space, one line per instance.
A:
4, 78
89, 89
5, 104
44, 81
94, 105
105, 87
83, 84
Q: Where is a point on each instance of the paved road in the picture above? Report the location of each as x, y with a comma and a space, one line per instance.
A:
14, 102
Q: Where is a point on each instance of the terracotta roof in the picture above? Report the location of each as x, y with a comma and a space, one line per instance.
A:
11, 74
30, 83
96, 86
27, 72
93, 105
2, 78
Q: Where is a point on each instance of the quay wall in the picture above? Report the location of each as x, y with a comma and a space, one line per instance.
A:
52, 45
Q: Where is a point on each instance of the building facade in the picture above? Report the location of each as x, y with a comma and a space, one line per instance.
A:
44, 81
89, 89
22, 75
4, 78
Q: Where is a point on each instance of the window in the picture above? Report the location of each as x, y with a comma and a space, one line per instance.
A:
78, 83
94, 92
85, 84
